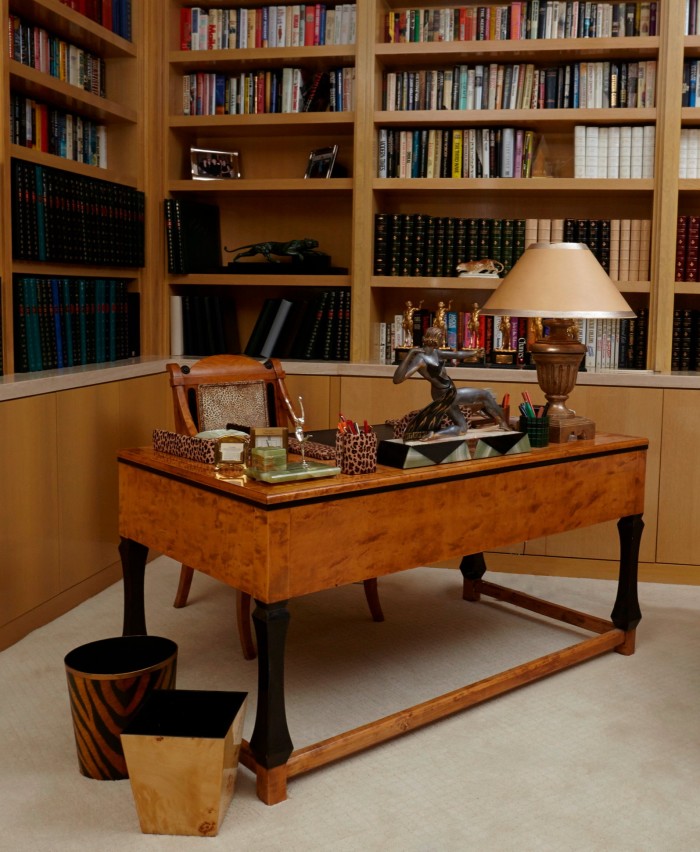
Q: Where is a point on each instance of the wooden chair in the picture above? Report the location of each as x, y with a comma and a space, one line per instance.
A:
223, 389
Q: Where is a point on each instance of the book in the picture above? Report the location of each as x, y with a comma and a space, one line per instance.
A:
261, 329
268, 347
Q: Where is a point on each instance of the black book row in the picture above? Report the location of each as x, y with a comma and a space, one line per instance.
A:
68, 322
416, 244
316, 327
685, 342
209, 325
192, 237
63, 217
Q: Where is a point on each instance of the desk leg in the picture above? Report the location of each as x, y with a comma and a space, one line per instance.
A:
473, 568
270, 742
626, 614
133, 557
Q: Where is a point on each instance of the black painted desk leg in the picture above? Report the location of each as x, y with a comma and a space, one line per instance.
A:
133, 557
626, 614
473, 568
270, 742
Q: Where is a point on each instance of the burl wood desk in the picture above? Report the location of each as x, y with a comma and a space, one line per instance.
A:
278, 542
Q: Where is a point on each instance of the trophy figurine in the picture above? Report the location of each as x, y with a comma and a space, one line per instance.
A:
299, 428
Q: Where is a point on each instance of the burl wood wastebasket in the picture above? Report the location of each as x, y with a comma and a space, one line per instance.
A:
182, 755
108, 682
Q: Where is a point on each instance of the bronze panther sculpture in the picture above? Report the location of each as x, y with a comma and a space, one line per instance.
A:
296, 249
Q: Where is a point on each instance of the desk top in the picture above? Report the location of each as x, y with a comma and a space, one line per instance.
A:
240, 487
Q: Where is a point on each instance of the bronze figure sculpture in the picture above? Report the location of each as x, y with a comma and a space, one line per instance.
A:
428, 361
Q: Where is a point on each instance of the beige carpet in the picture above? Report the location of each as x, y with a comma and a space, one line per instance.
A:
605, 756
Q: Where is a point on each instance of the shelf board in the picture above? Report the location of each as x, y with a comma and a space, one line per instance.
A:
545, 119
321, 57
690, 116
75, 28
687, 288
221, 279
534, 184
45, 267
277, 186
407, 282
291, 124
59, 93
423, 54
52, 161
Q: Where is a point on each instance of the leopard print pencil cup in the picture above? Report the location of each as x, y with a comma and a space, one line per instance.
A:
356, 454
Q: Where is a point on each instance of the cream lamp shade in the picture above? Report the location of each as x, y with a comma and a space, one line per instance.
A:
557, 280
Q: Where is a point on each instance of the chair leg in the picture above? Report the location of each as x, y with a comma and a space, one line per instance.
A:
372, 595
183, 589
245, 632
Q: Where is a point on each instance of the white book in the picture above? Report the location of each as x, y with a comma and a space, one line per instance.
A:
693, 150
580, 151
602, 167
557, 231
390, 105
544, 230
635, 248
243, 28
613, 167
624, 262
683, 153
598, 70
515, 80
176, 328
470, 89
591, 85
531, 228
648, 150
507, 158
625, 151
486, 153
636, 152
591, 334
591, 151
382, 143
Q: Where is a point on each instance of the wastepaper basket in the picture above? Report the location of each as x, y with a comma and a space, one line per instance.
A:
108, 682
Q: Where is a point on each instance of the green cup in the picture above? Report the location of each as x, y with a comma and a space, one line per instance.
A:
537, 429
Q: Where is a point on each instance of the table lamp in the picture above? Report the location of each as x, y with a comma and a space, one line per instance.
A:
558, 282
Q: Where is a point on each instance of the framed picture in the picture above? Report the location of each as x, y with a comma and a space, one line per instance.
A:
321, 162
214, 165
269, 436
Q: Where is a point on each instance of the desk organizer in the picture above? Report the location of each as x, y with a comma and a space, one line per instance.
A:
184, 446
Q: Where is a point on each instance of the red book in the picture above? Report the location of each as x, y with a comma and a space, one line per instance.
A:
185, 29
309, 24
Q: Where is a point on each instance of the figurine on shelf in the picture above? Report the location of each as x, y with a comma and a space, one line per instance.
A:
439, 321
484, 268
407, 323
428, 361
298, 250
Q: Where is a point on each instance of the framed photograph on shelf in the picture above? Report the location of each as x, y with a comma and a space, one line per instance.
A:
214, 165
321, 162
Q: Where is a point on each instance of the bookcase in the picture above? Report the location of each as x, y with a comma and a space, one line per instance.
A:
272, 201
73, 88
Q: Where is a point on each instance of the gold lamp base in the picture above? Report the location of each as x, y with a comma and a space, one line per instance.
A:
557, 359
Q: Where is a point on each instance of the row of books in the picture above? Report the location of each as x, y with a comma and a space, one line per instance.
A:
689, 156
685, 340
37, 48
297, 25
690, 94
192, 236
614, 152
115, 15
203, 324
523, 19
444, 152
45, 128
416, 244
687, 248
316, 327
281, 90
577, 85
611, 344
64, 217
67, 322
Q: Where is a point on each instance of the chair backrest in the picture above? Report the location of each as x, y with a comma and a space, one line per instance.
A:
223, 389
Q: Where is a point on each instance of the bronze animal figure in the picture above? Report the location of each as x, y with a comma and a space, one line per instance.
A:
296, 249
